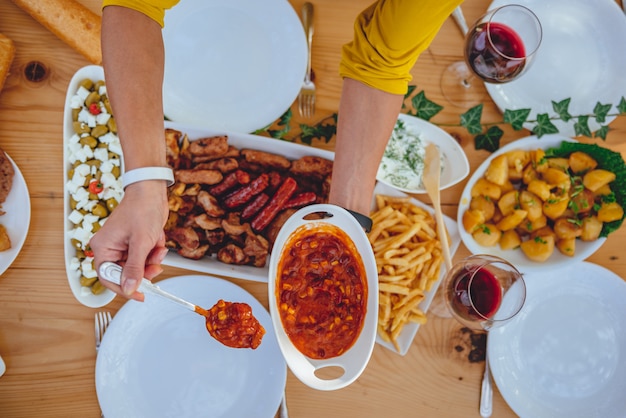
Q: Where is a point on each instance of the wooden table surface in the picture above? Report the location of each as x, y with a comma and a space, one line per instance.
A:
46, 336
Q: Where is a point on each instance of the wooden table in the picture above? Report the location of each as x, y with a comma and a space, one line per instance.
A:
46, 336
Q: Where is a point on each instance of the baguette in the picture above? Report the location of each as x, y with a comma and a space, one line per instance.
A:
7, 53
71, 22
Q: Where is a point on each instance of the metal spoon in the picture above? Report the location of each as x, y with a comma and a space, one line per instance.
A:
243, 331
486, 391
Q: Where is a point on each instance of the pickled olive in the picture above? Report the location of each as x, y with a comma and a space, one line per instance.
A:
93, 196
99, 210
72, 203
113, 156
98, 84
102, 145
76, 244
70, 173
96, 227
111, 204
90, 141
80, 254
112, 125
81, 128
107, 104
116, 171
86, 83
87, 282
93, 163
99, 130
75, 113
97, 288
93, 97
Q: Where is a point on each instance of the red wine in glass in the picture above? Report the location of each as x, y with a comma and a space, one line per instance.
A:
477, 297
495, 52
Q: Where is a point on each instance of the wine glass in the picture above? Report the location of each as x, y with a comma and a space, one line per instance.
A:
499, 47
484, 291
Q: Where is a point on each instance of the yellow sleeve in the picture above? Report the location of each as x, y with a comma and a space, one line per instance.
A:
154, 9
389, 36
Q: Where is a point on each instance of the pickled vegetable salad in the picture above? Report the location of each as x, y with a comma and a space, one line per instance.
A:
94, 184
403, 161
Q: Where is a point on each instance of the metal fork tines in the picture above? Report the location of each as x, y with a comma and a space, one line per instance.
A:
102, 321
306, 98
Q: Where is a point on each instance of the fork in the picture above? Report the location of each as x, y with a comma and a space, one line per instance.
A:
102, 321
306, 98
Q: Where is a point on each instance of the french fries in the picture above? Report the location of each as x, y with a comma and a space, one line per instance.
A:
408, 256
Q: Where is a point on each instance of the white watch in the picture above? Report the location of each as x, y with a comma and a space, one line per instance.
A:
148, 173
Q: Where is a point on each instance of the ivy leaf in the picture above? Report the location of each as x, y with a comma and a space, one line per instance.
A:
602, 132
285, 118
323, 131
622, 106
424, 108
561, 109
279, 133
516, 118
581, 127
600, 111
490, 140
544, 126
407, 95
471, 119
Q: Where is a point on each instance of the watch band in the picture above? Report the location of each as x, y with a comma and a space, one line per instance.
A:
148, 173
365, 221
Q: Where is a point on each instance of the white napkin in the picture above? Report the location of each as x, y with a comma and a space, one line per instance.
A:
3, 367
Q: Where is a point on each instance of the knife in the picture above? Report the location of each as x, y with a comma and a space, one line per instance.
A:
459, 18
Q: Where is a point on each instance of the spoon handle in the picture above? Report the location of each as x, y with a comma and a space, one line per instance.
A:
113, 273
486, 392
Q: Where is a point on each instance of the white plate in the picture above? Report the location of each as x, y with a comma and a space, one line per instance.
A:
405, 339
517, 257
233, 65
354, 360
158, 360
16, 220
563, 355
287, 149
455, 166
81, 293
582, 56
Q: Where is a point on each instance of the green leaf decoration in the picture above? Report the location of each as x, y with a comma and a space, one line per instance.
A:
600, 111
471, 119
621, 107
602, 132
490, 140
544, 126
516, 118
424, 108
409, 91
581, 127
607, 160
323, 131
561, 108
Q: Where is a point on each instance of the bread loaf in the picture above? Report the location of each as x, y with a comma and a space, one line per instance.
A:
69, 20
7, 52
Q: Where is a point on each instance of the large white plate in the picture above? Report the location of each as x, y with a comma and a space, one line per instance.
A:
455, 166
582, 56
563, 355
516, 256
234, 65
158, 360
405, 339
16, 220
286, 149
81, 293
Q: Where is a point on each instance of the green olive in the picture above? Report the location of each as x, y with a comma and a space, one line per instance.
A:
80, 254
93, 196
116, 171
70, 173
107, 104
86, 83
93, 97
99, 210
75, 113
96, 227
72, 203
99, 130
90, 141
93, 163
98, 84
111, 204
112, 125
87, 282
76, 244
81, 128
97, 288
113, 156
102, 145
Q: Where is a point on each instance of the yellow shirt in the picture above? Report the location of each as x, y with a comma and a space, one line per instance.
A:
389, 36
154, 9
